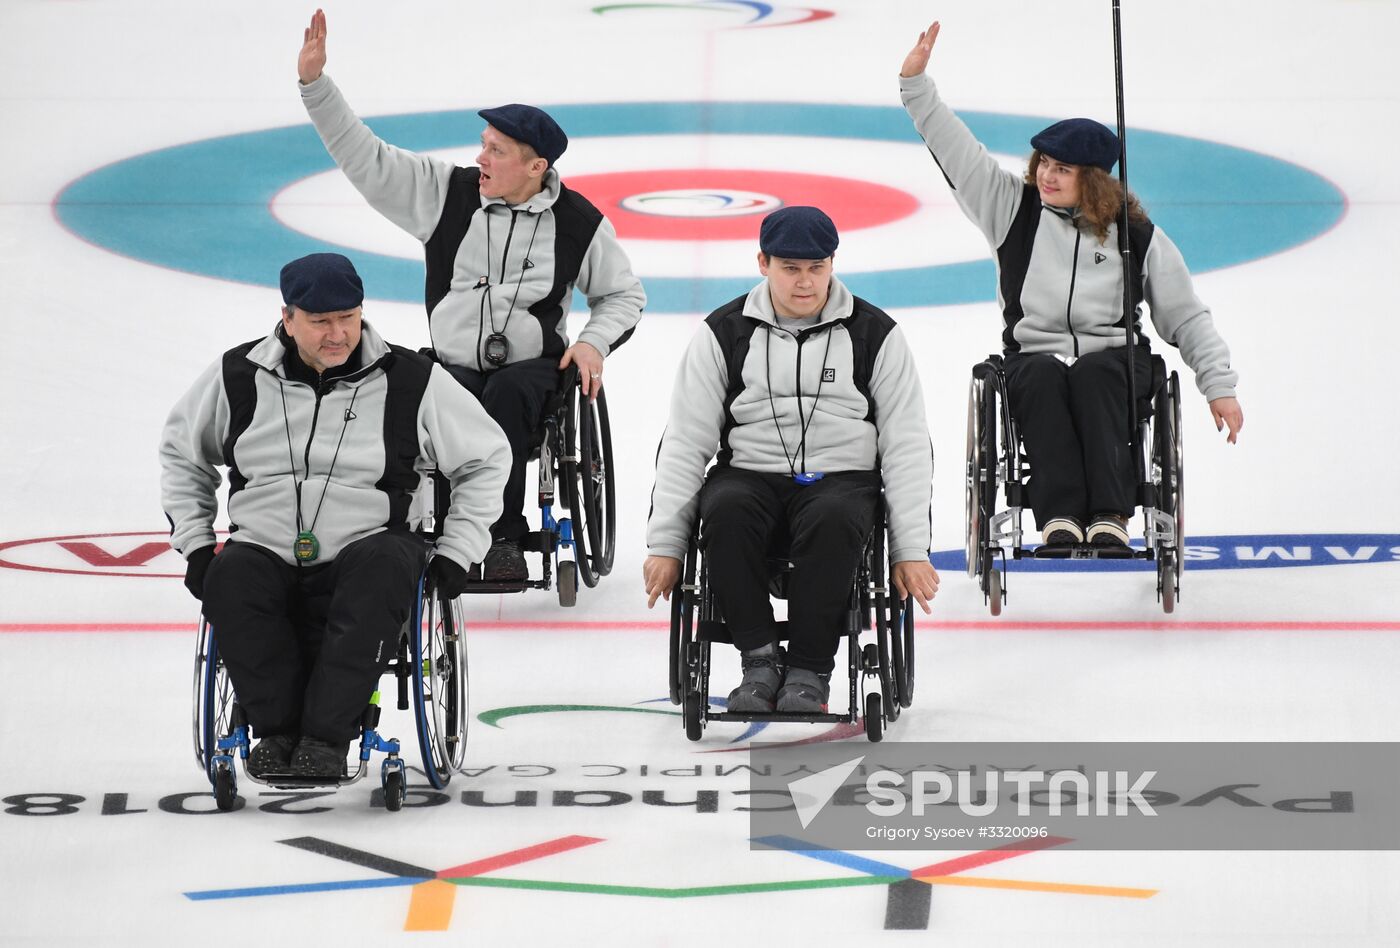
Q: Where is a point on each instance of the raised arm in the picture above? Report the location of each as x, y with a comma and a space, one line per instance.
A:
987, 193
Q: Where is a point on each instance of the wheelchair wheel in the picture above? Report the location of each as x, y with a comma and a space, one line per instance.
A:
567, 581
393, 791
1169, 463
214, 700
993, 587
694, 717
440, 700
906, 635
980, 492
225, 787
592, 492
874, 722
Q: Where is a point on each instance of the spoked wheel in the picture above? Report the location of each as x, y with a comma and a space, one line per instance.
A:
592, 492
905, 634
874, 723
972, 492
1170, 489
214, 700
440, 700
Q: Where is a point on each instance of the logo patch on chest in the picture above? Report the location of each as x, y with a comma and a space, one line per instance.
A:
828, 375
1099, 258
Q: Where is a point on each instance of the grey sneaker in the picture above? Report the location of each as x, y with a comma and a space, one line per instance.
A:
504, 563
1062, 531
805, 691
763, 673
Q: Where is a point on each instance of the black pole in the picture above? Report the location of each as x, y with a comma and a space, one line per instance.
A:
1125, 247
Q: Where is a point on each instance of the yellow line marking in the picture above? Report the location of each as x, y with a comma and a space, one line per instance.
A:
980, 882
431, 907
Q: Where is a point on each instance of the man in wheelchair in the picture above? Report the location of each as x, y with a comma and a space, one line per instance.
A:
506, 244
325, 429
813, 400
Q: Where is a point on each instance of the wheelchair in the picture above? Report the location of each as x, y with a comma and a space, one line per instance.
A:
886, 663
573, 452
996, 462
430, 662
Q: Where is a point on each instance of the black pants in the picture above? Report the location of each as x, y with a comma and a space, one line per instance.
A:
515, 396
1074, 423
742, 513
305, 645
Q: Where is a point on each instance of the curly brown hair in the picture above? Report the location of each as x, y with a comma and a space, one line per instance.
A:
1100, 198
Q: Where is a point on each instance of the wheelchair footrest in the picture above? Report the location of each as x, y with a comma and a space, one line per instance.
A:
1086, 551
295, 782
779, 717
481, 587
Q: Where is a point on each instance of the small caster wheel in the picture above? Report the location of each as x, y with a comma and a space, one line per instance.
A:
1166, 581
694, 726
994, 591
568, 583
393, 791
874, 722
225, 788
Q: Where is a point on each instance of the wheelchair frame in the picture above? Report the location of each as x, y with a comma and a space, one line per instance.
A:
575, 461
995, 459
432, 652
888, 661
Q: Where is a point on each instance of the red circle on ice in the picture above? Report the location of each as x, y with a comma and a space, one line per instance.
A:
729, 204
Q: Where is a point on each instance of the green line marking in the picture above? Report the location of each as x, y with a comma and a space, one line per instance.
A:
662, 892
499, 714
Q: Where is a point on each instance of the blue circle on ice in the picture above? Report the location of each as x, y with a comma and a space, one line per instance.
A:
205, 207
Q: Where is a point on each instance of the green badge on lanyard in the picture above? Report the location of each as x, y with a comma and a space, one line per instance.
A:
306, 548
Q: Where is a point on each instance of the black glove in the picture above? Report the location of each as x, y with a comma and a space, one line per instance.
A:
447, 577
195, 569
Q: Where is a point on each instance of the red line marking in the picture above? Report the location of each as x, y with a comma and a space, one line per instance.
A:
540, 625
986, 857
517, 856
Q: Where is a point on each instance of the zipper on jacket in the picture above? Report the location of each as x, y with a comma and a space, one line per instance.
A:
315, 416
1069, 304
506, 252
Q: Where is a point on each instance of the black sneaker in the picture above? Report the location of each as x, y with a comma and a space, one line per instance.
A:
504, 563
271, 755
318, 758
805, 691
763, 673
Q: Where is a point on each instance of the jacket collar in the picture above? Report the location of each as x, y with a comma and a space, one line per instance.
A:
839, 304
271, 351
538, 204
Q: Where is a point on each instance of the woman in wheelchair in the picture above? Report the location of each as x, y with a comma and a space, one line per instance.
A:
1055, 234
812, 397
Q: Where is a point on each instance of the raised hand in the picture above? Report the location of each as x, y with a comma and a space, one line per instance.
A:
917, 60
313, 50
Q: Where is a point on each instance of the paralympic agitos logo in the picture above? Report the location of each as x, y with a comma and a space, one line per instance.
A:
752, 13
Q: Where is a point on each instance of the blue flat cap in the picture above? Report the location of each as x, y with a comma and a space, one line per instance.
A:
322, 283
530, 125
798, 233
1079, 141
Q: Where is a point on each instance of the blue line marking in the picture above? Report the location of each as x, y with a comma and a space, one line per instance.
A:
296, 889
836, 857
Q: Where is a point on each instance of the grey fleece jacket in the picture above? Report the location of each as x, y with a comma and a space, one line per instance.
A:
357, 446
487, 292
1070, 298
756, 426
